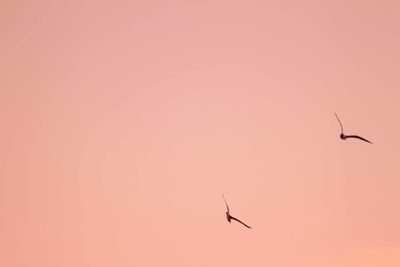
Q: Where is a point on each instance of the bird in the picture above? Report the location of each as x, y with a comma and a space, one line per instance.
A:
229, 217
344, 137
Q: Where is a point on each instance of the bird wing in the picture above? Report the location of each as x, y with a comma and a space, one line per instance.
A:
359, 137
227, 207
341, 126
233, 218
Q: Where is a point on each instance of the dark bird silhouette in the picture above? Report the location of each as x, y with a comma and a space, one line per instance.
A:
344, 137
229, 217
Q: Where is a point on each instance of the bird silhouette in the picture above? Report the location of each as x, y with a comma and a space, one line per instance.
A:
229, 217
344, 137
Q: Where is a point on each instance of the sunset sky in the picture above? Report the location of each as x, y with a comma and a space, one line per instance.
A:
122, 122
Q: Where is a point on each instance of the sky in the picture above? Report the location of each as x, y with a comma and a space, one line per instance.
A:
123, 122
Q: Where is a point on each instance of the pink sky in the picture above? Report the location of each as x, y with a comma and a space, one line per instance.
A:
123, 122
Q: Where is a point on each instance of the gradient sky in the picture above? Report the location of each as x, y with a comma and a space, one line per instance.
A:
122, 122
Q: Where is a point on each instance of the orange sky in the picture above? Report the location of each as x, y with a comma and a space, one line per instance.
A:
124, 121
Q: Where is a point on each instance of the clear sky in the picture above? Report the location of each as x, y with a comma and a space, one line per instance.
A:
122, 122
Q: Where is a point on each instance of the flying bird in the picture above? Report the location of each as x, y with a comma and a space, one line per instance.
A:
229, 217
344, 137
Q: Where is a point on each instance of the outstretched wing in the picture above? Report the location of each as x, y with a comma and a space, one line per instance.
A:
233, 218
227, 207
341, 126
359, 137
